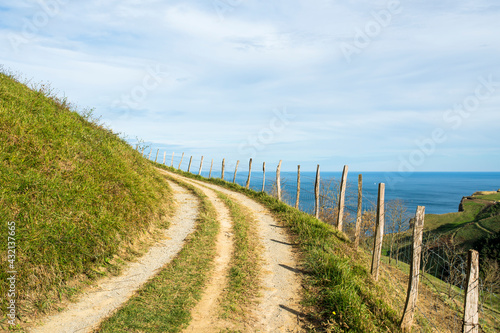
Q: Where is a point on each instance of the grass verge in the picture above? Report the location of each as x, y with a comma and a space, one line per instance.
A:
244, 280
340, 295
164, 304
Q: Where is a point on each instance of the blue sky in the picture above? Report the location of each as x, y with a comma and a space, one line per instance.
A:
377, 85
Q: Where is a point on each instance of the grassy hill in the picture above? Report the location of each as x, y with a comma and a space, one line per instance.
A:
80, 197
479, 218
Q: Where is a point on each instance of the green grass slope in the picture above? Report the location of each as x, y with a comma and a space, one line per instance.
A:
80, 197
479, 219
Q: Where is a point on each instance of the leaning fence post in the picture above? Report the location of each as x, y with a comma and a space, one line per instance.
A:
189, 165
412, 295
142, 152
249, 173
263, 176
181, 161
298, 187
235, 170
211, 165
360, 207
156, 158
223, 166
471, 317
340, 216
316, 194
164, 157
149, 156
379, 232
278, 180
201, 164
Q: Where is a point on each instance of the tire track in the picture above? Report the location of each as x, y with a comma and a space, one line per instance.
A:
110, 293
279, 308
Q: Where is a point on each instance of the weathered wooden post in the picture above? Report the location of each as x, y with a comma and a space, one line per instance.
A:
223, 166
156, 158
142, 152
278, 180
379, 232
172, 163
149, 156
249, 173
471, 315
164, 157
316, 194
412, 295
235, 170
181, 161
360, 213
201, 164
263, 176
340, 210
211, 165
298, 187
189, 165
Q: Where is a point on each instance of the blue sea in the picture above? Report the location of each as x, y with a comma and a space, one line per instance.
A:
439, 192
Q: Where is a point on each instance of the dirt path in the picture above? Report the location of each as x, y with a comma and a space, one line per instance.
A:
279, 306
205, 314
111, 293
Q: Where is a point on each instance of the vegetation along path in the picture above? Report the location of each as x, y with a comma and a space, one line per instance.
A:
111, 293
277, 309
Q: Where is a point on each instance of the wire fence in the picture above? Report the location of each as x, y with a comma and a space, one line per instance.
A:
443, 265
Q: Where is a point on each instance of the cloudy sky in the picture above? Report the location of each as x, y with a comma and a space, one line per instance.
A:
377, 85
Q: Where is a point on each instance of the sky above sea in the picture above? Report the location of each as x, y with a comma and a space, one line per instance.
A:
403, 86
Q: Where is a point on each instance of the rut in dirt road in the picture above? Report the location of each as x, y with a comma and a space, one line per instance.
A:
279, 307
110, 293
205, 313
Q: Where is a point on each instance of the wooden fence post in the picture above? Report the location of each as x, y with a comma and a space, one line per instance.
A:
201, 164
223, 166
156, 158
278, 180
471, 316
211, 165
235, 170
316, 194
379, 232
181, 161
189, 165
249, 173
172, 163
149, 156
164, 157
142, 152
264, 177
298, 187
340, 211
359, 214
412, 295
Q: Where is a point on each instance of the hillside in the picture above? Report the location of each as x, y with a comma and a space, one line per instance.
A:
75, 197
478, 218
